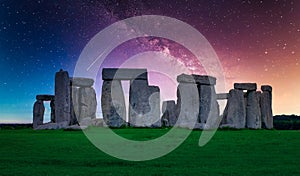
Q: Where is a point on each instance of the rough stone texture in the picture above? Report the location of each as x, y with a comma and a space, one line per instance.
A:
113, 104
38, 113
222, 96
266, 109
235, 111
52, 106
266, 88
187, 109
245, 86
197, 79
253, 114
87, 102
62, 97
75, 110
86, 121
124, 74
144, 102
76, 127
169, 113
45, 97
81, 82
209, 107
53, 126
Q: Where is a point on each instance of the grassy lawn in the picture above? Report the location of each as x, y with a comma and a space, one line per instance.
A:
240, 152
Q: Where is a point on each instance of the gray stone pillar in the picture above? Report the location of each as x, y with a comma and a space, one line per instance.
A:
38, 113
62, 97
87, 103
235, 111
169, 117
113, 103
209, 106
187, 110
266, 106
144, 104
52, 106
253, 115
75, 110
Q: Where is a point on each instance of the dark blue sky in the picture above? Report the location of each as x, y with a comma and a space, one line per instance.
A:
39, 37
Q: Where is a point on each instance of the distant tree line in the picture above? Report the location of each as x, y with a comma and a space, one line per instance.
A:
286, 122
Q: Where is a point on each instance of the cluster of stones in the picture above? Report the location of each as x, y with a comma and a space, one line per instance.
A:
252, 109
74, 100
196, 102
144, 100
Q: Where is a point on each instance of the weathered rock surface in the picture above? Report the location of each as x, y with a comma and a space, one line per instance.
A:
222, 96
144, 102
253, 115
124, 74
169, 117
52, 106
53, 126
187, 109
245, 86
62, 97
38, 113
87, 102
235, 111
45, 97
196, 79
209, 107
266, 109
75, 108
113, 104
81, 82
266, 88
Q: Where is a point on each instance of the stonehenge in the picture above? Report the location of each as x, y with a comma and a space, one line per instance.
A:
144, 100
74, 103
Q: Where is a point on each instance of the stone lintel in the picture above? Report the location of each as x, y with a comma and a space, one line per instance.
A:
81, 82
45, 97
124, 74
196, 79
222, 96
266, 88
245, 86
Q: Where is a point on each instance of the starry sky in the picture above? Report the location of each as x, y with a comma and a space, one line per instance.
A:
255, 40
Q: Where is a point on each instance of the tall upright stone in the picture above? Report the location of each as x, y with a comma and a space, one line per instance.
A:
208, 105
169, 117
38, 113
75, 108
235, 111
144, 103
87, 103
266, 106
62, 97
253, 115
52, 106
113, 103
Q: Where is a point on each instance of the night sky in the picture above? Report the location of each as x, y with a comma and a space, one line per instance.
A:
256, 41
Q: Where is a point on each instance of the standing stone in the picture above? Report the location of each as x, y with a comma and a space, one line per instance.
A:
152, 118
38, 113
187, 110
208, 103
169, 113
113, 103
253, 115
235, 111
144, 104
52, 106
266, 107
75, 109
62, 97
87, 103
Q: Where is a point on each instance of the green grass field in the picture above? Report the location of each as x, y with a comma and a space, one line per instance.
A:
240, 152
